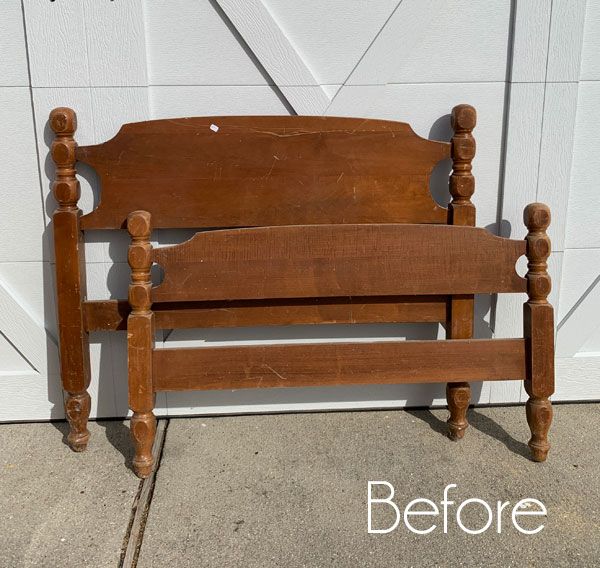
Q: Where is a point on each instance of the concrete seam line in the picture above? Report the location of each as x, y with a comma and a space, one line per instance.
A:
132, 541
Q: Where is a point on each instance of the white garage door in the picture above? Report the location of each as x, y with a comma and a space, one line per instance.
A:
529, 67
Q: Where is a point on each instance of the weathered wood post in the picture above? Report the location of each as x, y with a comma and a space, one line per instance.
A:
69, 257
461, 211
538, 329
140, 342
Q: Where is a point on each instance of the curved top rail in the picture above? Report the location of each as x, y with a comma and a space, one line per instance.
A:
338, 260
236, 171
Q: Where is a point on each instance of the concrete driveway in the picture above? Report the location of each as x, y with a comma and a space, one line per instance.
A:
291, 490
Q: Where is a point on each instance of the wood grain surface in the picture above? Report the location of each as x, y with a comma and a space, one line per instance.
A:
320, 364
111, 315
261, 170
337, 260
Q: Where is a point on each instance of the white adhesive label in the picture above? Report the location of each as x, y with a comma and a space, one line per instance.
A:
214, 128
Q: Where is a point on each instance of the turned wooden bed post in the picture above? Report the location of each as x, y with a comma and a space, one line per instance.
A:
70, 279
538, 330
459, 322
140, 342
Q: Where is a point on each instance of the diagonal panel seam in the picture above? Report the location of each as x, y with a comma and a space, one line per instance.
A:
254, 26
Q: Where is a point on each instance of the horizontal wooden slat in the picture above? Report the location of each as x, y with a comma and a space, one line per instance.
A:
306, 199
265, 170
107, 315
338, 260
322, 364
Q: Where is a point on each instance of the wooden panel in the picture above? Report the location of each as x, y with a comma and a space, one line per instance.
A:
337, 260
106, 315
246, 171
321, 364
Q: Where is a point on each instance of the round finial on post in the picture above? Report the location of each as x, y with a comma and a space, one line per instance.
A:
139, 256
139, 224
462, 183
464, 118
63, 121
537, 219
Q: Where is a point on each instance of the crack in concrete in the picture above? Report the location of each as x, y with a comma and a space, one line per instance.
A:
134, 535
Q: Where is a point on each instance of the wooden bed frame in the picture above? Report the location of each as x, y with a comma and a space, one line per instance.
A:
320, 220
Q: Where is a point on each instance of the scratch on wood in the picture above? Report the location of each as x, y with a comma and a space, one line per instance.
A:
274, 371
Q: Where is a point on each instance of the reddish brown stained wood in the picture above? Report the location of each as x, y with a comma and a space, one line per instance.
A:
461, 211
462, 181
313, 173
458, 396
265, 170
140, 343
538, 318
337, 260
70, 279
539, 418
110, 315
106, 315
295, 365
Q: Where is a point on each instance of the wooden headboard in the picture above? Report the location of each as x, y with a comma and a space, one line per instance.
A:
239, 171
251, 171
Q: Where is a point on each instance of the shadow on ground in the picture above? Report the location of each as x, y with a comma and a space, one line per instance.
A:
476, 420
116, 432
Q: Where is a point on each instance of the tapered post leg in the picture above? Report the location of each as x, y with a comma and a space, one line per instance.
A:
143, 432
77, 410
539, 418
458, 396
70, 279
140, 331
140, 343
538, 319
